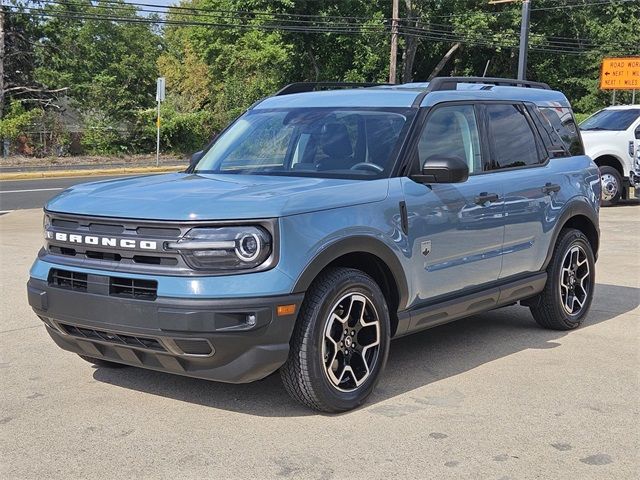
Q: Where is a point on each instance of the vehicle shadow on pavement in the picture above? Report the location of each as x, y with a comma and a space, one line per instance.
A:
414, 361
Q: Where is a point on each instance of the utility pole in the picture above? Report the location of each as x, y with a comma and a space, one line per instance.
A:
394, 41
524, 40
524, 35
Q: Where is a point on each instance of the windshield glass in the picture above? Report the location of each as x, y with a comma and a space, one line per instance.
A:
318, 142
611, 120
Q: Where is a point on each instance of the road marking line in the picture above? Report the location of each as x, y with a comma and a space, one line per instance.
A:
32, 190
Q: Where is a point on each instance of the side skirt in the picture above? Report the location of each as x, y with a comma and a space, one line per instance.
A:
421, 318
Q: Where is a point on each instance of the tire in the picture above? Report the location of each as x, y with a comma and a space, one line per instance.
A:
98, 362
318, 372
559, 307
611, 182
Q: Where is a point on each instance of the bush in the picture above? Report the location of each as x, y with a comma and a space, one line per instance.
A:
17, 120
103, 137
179, 132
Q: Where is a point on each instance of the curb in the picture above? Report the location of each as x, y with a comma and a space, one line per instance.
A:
88, 173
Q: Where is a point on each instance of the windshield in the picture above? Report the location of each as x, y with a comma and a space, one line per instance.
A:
318, 142
611, 120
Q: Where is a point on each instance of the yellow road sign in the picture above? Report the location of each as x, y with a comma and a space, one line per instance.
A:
620, 74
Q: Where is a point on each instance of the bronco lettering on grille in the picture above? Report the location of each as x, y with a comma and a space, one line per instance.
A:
102, 241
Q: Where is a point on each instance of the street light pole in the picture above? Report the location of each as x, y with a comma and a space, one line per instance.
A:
524, 40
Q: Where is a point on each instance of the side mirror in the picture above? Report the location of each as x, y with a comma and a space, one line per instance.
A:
441, 169
195, 158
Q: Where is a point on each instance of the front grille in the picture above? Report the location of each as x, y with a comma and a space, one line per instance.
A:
133, 288
113, 257
125, 246
69, 280
110, 337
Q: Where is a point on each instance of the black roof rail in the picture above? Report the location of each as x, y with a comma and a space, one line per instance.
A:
450, 83
301, 87
440, 84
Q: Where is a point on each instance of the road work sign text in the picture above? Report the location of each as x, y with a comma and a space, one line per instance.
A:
620, 74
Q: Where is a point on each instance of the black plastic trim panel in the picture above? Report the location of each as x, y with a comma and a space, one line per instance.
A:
445, 311
234, 340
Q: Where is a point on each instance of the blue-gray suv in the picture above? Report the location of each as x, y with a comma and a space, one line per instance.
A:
321, 224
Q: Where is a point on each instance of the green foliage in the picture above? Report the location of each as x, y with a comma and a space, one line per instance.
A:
179, 132
103, 137
581, 117
17, 120
215, 72
108, 67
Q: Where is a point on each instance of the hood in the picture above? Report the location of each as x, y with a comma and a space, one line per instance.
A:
598, 141
181, 196
597, 136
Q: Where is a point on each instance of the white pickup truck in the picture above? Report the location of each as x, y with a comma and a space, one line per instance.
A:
610, 138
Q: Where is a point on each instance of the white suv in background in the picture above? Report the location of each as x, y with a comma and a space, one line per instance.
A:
610, 139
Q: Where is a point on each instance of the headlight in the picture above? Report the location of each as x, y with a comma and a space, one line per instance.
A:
224, 248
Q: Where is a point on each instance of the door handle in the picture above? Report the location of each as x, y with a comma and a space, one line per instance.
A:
485, 197
550, 188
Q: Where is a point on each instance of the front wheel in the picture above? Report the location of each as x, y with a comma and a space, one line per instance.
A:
340, 343
611, 182
567, 296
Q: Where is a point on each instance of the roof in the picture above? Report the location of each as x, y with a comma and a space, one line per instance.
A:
404, 96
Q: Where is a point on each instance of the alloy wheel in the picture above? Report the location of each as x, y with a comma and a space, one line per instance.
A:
575, 280
351, 346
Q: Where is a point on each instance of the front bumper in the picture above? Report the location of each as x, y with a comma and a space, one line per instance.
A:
228, 340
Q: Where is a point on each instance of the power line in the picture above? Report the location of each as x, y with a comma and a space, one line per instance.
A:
515, 12
321, 20
581, 5
192, 11
424, 33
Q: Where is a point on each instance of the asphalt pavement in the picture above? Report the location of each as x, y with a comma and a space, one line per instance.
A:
22, 194
493, 396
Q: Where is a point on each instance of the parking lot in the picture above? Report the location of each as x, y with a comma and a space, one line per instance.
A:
490, 397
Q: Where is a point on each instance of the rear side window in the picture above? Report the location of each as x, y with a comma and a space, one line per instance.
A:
561, 129
514, 142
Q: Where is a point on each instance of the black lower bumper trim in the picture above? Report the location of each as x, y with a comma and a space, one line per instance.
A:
229, 340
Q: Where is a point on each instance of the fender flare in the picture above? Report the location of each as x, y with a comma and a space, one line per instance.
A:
356, 244
574, 208
611, 154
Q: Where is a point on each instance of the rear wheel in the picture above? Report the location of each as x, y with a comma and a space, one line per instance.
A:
611, 181
567, 296
340, 343
98, 362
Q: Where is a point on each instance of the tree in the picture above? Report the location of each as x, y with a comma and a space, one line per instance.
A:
19, 46
108, 66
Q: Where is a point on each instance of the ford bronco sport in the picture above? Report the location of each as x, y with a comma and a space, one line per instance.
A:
322, 224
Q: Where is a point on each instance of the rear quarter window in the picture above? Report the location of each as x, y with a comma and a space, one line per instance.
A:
561, 129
